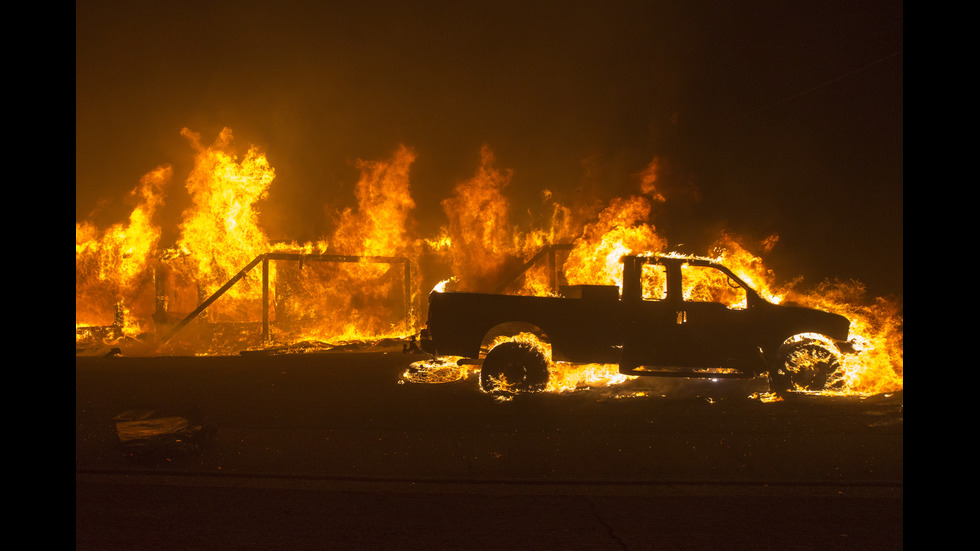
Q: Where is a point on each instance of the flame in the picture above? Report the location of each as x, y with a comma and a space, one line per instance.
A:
445, 369
648, 180
479, 233
125, 279
352, 301
876, 327
220, 232
876, 323
621, 229
565, 376
380, 225
114, 267
730, 252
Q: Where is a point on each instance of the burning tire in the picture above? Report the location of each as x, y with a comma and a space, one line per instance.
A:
514, 367
804, 365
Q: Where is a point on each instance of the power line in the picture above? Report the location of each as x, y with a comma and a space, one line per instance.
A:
818, 86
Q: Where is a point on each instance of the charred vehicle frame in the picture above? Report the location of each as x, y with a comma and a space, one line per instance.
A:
653, 327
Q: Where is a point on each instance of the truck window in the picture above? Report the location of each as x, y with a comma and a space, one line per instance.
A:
654, 281
709, 284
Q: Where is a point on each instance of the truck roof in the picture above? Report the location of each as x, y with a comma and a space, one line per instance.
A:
674, 257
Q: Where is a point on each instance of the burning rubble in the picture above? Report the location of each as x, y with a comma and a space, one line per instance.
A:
224, 286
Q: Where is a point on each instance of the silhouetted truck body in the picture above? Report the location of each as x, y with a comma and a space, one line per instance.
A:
677, 316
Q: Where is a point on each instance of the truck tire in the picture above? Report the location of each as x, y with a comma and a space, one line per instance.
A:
514, 367
804, 365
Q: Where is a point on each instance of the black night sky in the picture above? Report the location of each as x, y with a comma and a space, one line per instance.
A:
768, 116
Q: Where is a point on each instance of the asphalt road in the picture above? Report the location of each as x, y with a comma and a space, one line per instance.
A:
337, 451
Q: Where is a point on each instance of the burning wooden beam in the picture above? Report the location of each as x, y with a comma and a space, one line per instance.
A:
551, 252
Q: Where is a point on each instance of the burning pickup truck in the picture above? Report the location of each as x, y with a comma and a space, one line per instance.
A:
675, 317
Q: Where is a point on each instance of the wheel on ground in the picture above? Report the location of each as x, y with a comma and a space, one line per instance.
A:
514, 367
805, 365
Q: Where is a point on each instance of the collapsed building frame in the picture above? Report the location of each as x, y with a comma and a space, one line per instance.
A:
548, 252
265, 258
551, 251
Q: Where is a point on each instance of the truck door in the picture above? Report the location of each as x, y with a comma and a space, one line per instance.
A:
714, 320
688, 316
652, 334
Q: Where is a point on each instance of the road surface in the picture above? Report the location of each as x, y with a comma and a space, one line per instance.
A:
338, 451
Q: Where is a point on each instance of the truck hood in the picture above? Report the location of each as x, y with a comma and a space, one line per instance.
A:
799, 319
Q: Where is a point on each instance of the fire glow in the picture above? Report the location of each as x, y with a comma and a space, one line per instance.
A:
348, 286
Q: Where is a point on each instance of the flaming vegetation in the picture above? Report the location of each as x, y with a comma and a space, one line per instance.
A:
126, 280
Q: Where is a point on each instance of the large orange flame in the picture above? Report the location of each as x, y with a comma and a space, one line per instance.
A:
481, 239
368, 299
622, 229
876, 323
124, 278
220, 233
114, 267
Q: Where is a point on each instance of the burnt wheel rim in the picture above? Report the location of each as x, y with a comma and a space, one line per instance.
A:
809, 366
514, 367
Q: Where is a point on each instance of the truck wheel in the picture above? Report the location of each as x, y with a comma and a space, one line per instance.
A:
803, 365
514, 367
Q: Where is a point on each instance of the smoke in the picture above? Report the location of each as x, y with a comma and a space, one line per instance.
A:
574, 99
